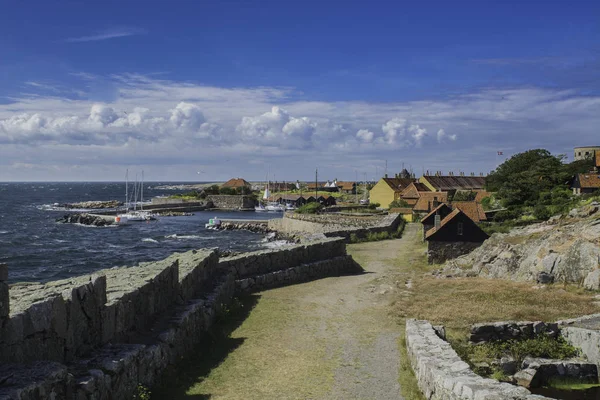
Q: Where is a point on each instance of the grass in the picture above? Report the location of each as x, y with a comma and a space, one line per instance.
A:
460, 302
377, 236
570, 384
241, 359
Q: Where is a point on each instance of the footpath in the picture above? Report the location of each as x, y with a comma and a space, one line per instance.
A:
334, 338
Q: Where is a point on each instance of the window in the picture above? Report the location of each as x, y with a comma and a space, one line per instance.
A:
579, 154
459, 229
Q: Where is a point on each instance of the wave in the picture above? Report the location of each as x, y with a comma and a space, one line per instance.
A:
277, 244
4, 232
149, 240
189, 237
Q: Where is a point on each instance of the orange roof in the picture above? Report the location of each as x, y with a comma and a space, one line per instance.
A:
482, 194
426, 199
471, 209
597, 158
450, 182
444, 222
236, 182
346, 185
412, 190
590, 180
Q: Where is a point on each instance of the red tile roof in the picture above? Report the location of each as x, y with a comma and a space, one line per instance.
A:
346, 185
426, 199
597, 158
590, 180
236, 182
482, 194
412, 190
471, 209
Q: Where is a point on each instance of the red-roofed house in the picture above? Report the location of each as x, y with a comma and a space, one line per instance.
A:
236, 183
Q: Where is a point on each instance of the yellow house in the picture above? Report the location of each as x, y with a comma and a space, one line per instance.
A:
388, 190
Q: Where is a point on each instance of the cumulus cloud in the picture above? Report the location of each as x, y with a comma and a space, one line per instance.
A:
277, 127
187, 116
365, 135
442, 136
400, 132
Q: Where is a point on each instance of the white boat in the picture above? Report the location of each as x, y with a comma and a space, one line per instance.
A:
290, 207
134, 215
274, 207
260, 208
213, 223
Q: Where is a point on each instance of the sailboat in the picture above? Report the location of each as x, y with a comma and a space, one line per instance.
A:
134, 215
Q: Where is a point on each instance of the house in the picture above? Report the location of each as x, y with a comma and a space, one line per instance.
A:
294, 199
452, 236
388, 189
597, 159
281, 186
452, 183
473, 209
428, 201
588, 182
346, 187
237, 183
428, 221
413, 192
581, 153
326, 200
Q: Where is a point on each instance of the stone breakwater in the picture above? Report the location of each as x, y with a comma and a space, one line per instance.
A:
335, 225
99, 336
441, 374
85, 219
93, 205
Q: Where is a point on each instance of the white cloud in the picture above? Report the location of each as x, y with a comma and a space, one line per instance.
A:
442, 136
107, 34
169, 123
277, 127
365, 135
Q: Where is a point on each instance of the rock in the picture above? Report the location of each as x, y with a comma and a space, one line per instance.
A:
507, 365
545, 278
592, 280
527, 378
482, 368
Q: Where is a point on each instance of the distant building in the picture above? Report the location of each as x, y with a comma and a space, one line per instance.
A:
597, 159
588, 182
346, 187
428, 221
428, 201
236, 183
452, 236
412, 193
326, 200
452, 183
472, 209
388, 189
581, 153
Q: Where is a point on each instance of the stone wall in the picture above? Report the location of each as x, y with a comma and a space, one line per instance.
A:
440, 252
231, 202
441, 374
512, 330
335, 225
97, 337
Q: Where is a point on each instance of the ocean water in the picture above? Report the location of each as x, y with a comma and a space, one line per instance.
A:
36, 248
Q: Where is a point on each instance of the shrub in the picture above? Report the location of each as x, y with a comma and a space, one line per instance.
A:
310, 208
541, 212
373, 206
464, 195
398, 204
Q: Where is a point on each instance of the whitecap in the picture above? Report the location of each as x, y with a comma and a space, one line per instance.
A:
3, 232
149, 240
189, 237
277, 244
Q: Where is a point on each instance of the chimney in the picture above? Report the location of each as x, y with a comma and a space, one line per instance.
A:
437, 221
435, 202
386, 175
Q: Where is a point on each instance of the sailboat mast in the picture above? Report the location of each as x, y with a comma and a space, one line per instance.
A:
135, 189
142, 190
126, 190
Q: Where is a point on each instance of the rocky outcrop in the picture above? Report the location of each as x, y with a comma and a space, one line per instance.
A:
84, 219
559, 250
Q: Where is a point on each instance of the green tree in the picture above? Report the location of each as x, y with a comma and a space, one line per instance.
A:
399, 203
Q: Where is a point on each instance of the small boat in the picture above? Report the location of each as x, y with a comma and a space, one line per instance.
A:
290, 207
134, 215
260, 208
275, 207
213, 223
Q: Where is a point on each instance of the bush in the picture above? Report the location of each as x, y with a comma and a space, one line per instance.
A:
373, 206
310, 208
398, 204
464, 196
541, 212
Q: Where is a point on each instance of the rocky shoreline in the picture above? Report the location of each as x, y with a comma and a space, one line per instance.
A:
92, 205
84, 219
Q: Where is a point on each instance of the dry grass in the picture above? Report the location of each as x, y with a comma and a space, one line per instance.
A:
459, 303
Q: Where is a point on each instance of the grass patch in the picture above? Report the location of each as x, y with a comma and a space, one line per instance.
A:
407, 379
564, 383
377, 236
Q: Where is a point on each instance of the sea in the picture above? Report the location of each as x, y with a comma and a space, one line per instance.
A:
38, 249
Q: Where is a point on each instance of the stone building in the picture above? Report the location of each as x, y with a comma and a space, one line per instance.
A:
581, 153
452, 236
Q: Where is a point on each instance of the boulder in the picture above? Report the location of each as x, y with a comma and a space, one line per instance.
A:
592, 280
527, 378
545, 278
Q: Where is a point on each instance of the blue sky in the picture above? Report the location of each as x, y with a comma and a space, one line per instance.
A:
237, 88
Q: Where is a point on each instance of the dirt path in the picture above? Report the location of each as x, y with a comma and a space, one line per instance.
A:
334, 338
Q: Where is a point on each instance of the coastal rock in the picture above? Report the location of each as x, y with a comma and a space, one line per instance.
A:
94, 205
84, 219
566, 250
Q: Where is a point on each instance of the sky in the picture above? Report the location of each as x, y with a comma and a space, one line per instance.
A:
209, 90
